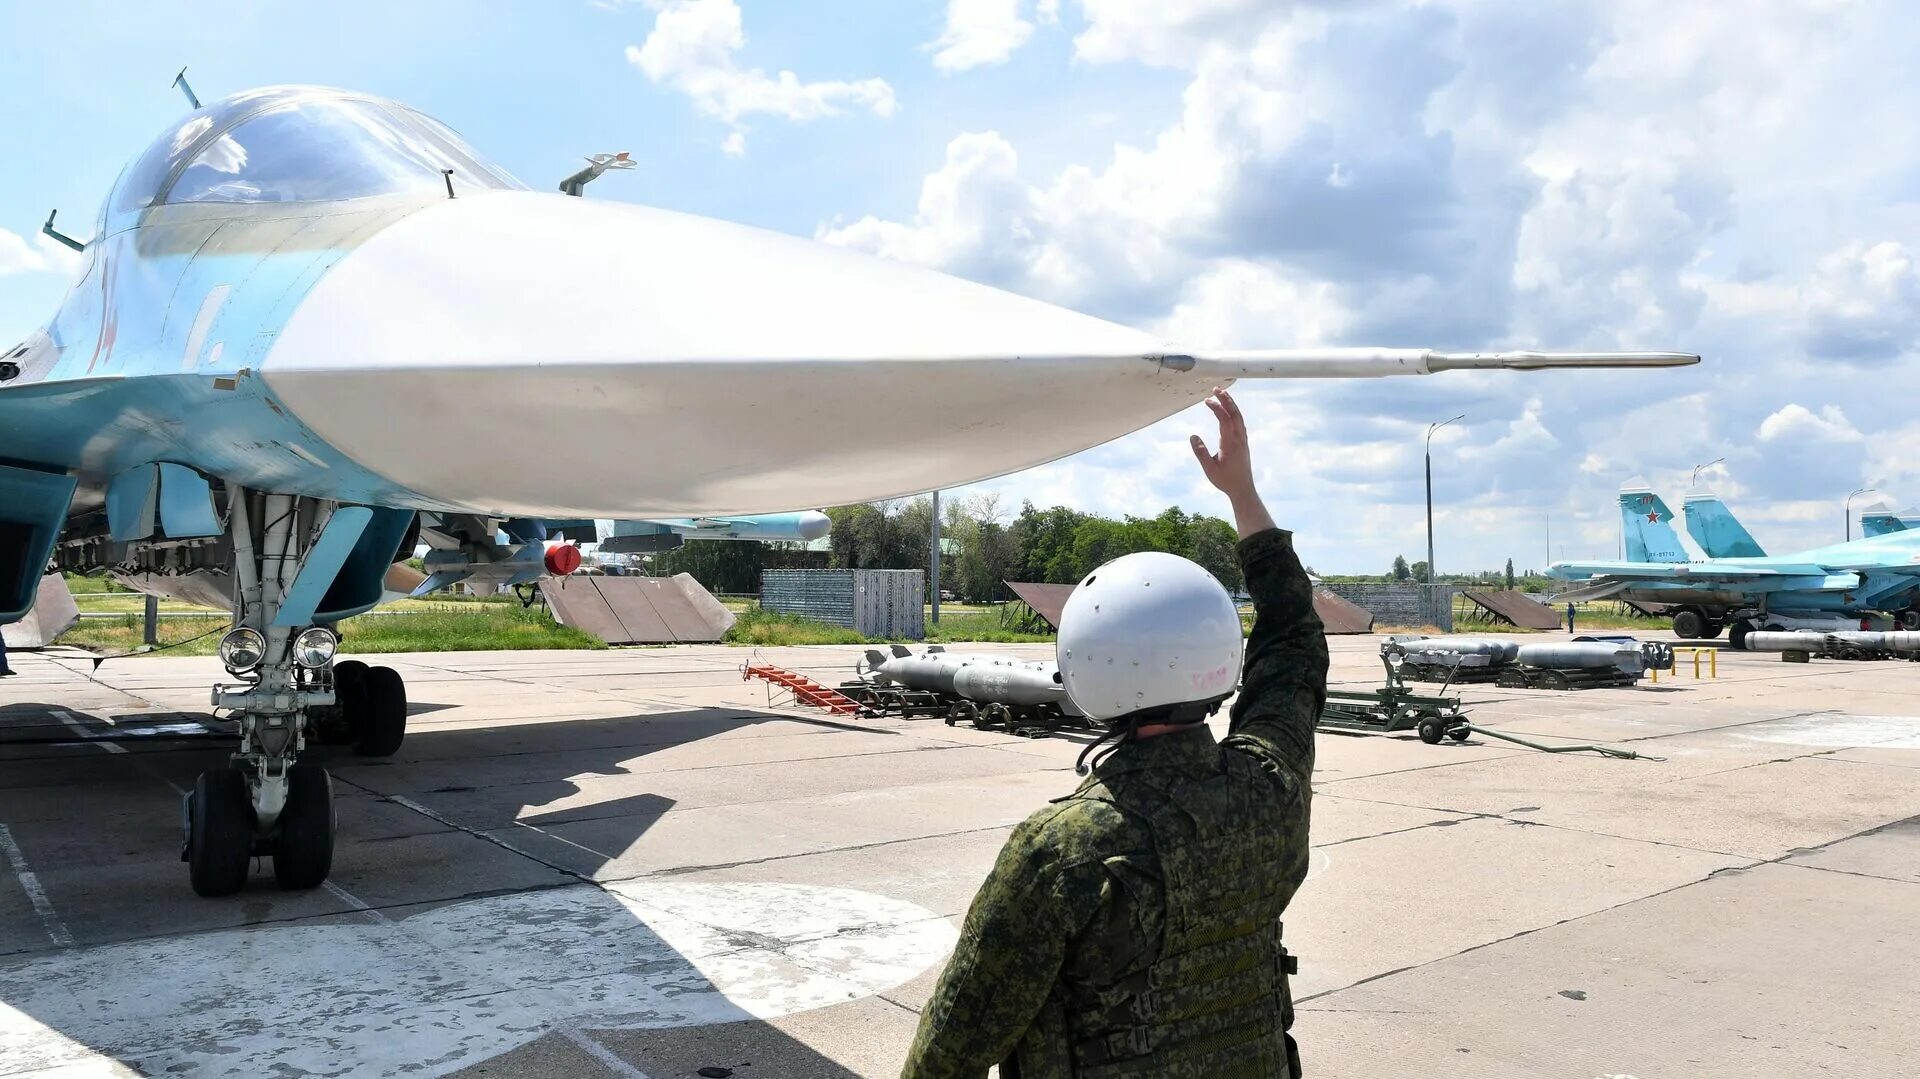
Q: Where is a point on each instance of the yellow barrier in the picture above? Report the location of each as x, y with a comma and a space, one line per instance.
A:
1713, 661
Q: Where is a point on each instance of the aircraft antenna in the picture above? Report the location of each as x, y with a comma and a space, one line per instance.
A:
596, 165
180, 81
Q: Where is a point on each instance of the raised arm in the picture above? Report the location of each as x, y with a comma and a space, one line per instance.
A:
1284, 681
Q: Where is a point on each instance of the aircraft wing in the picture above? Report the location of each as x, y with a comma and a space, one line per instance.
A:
1602, 590
1784, 577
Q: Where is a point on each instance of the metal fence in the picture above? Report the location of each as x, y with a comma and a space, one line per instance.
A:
886, 603
1402, 605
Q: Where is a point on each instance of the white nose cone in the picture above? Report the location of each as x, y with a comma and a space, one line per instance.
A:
544, 355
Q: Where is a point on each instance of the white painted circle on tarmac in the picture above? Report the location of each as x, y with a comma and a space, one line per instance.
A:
451, 987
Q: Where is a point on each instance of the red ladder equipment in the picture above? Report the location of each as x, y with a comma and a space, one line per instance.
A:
805, 690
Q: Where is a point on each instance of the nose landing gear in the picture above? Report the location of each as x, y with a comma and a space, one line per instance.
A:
269, 801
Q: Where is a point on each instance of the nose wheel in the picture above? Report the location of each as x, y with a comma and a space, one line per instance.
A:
219, 822
223, 834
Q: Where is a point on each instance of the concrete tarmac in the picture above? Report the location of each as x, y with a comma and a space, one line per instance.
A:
634, 863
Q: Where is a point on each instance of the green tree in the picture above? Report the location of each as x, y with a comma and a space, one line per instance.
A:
719, 565
1214, 545
1509, 574
1043, 544
1419, 571
1400, 570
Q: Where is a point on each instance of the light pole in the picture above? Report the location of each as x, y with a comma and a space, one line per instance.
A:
933, 563
1431, 428
1697, 468
1849, 509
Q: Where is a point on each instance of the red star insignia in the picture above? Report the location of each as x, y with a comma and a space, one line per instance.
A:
1654, 517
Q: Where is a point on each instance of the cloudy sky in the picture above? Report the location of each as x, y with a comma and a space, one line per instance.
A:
1738, 180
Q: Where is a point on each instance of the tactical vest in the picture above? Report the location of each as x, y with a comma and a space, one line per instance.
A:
1215, 1002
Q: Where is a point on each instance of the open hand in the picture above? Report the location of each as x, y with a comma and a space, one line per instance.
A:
1231, 468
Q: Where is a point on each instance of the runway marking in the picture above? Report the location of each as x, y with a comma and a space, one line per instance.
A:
453, 986
80, 729
494, 839
36, 895
355, 902
600, 1053
563, 839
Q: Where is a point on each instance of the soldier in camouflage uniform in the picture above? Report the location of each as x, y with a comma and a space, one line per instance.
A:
1132, 928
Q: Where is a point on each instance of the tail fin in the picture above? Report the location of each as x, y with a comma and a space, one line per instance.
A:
1878, 520
1646, 523
1713, 526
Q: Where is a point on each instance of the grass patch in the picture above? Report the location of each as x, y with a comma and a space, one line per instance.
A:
82, 585
115, 636
474, 627
753, 626
478, 628
760, 627
978, 625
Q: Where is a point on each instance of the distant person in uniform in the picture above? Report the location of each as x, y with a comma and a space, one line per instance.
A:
1132, 928
1569, 618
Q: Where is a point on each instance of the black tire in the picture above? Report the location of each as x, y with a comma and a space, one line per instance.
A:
1689, 624
339, 726
303, 852
1431, 731
1737, 634
1714, 626
1458, 734
1910, 618
220, 832
382, 724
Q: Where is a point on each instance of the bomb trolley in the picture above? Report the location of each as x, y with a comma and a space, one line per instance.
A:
1394, 707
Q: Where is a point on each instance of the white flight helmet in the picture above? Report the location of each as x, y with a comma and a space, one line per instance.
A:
1149, 630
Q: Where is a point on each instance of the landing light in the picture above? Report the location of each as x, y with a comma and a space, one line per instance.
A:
242, 649
314, 647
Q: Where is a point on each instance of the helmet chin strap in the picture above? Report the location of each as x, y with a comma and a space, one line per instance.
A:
1126, 728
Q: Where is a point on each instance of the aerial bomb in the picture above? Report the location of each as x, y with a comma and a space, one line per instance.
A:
1846, 645
1472, 651
1583, 655
987, 679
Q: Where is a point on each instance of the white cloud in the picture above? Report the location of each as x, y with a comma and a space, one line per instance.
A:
692, 49
43, 255
971, 218
1166, 34
1491, 174
1797, 422
1235, 301
981, 33
1864, 303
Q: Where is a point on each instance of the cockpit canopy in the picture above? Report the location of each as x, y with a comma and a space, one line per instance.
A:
301, 144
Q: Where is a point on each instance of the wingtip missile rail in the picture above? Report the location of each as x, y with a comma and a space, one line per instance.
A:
1386, 362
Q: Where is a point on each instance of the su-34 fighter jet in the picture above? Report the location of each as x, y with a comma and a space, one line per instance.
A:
1738, 587
307, 316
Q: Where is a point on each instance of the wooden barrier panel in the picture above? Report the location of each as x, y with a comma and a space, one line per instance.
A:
638, 610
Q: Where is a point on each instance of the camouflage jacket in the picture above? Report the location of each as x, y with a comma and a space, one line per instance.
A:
1076, 890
